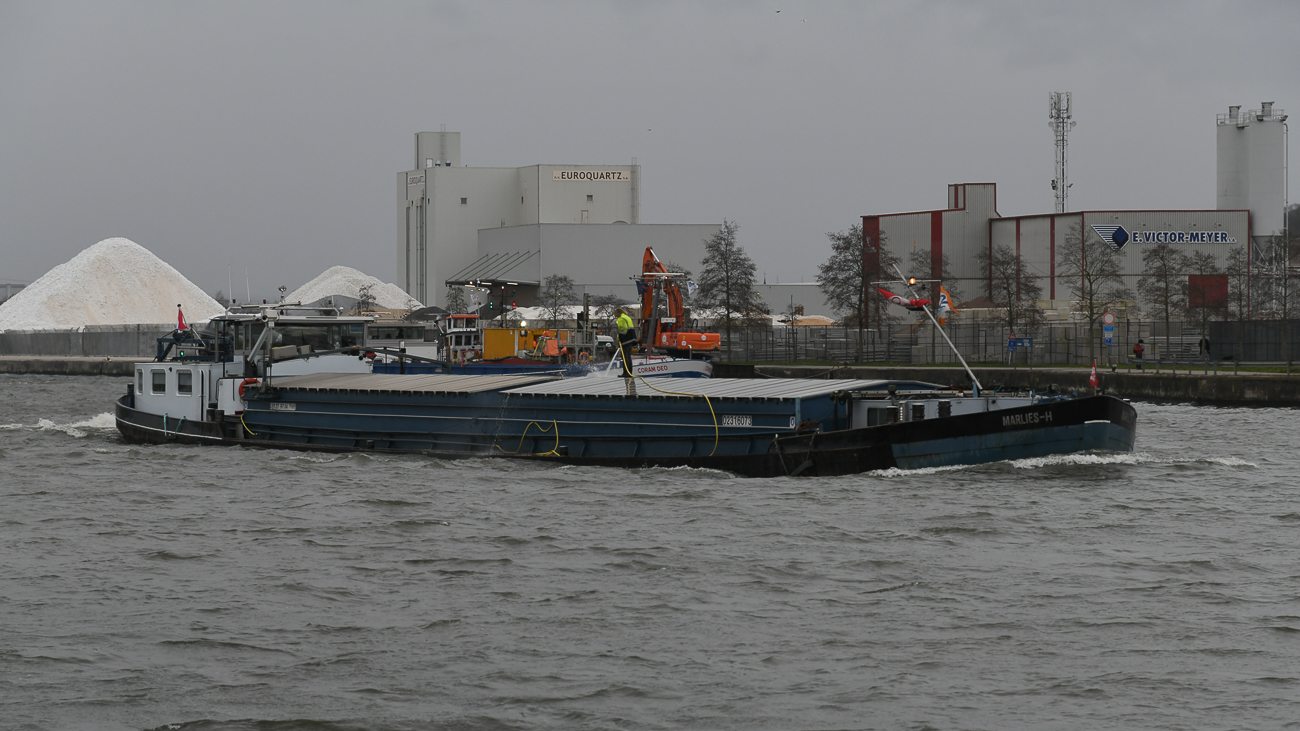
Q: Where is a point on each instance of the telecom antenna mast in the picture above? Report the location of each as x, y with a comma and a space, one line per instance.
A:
1060, 110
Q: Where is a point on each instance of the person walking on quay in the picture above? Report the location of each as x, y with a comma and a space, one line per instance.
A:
1205, 347
626, 340
1138, 350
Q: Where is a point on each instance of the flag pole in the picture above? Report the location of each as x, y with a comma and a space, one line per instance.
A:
957, 353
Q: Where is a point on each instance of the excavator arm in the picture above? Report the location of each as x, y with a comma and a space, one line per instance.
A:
670, 331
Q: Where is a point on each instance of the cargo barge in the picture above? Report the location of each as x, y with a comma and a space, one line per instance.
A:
752, 427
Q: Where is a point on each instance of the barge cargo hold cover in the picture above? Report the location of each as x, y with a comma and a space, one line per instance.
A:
581, 417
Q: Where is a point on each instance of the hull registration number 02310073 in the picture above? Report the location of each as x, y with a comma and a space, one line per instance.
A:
283, 406
737, 420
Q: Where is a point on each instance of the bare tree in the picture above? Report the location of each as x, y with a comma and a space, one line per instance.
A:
727, 277
845, 279
1203, 302
1273, 284
1163, 283
1239, 293
557, 292
1094, 275
1012, 289
604, 306
365, 299
920, 264
456, 300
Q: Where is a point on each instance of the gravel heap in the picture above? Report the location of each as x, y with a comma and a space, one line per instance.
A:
343, 285
114, 282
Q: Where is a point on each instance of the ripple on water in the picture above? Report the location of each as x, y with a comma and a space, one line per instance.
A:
330, 592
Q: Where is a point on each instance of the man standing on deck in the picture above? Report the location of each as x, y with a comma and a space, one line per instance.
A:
626, 340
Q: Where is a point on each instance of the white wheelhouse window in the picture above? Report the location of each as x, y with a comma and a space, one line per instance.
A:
185, 382
158, 381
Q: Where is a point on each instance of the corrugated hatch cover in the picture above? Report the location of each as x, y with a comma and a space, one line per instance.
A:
398, 383
722, 388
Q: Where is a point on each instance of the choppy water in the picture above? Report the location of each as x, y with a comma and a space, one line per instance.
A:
210, 588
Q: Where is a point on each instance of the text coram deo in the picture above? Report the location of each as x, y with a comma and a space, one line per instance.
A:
596, 175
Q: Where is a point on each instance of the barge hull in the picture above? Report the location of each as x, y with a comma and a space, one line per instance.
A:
139, 427
1097, 423
1094, 423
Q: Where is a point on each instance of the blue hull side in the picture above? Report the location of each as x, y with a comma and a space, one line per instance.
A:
1102, 423
658, 427
1041, 442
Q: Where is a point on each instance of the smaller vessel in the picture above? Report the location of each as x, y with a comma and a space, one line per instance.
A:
665, 366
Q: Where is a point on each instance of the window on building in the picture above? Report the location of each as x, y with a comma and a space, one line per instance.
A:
464, 201
159, 382
590, 197
185, 382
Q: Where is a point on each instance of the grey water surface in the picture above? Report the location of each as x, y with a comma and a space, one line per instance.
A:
215, 588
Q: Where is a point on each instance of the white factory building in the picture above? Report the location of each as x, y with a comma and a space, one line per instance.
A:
1250, 211
507, 229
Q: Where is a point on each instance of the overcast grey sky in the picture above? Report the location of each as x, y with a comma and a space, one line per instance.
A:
268, 134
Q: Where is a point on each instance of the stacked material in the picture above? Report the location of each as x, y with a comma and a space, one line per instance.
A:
343, 286
114, 282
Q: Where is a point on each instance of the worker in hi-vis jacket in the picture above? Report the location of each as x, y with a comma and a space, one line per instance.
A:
626, 340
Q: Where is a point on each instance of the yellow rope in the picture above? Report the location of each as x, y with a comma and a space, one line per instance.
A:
706, 401
554, 450
251, 433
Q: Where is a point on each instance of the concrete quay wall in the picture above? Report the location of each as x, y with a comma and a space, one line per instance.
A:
89, 341
66, 366
1260, 389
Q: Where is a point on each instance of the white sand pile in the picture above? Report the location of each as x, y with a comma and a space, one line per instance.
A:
343, 285
114, 282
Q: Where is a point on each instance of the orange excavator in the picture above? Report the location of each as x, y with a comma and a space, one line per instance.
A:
663, 317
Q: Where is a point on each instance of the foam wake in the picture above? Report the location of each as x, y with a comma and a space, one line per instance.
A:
78, 429
1124, 458
1116, 458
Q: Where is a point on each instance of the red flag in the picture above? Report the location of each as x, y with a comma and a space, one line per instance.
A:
180, 319
1093, 378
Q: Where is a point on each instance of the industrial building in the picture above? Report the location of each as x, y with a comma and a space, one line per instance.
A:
1251, 203
504, 230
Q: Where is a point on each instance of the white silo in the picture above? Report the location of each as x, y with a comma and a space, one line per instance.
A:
1252, 166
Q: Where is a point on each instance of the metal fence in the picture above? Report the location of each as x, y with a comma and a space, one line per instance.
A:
1054, 344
